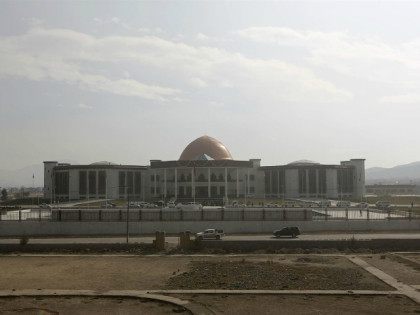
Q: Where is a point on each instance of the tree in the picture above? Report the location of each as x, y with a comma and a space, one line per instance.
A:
4, 194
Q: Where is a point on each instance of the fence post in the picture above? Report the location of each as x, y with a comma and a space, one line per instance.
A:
20, 215
263, 214
305, 214
326, 214
160, 215
80, 215
181, 215
100, 215
284, 215
389, 214
120, 214
140, 215
367, 214
347, 214
243, 214
202, 214
59, 215
39, 214
222, 214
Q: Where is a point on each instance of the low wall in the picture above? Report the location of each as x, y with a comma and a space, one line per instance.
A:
69, 228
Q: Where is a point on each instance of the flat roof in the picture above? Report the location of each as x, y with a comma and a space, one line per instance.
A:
200, 163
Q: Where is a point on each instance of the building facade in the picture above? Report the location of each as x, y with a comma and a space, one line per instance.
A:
205, 172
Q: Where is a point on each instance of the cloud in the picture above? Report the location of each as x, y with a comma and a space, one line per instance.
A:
368, 58
402, 99
84, 106
86, 61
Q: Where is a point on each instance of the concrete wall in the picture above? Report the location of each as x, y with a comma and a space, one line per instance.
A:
48, 228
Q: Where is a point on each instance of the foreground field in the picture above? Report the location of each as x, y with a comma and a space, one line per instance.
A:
321, 305
103, 273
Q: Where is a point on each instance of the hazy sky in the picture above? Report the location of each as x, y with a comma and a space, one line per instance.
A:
129, 82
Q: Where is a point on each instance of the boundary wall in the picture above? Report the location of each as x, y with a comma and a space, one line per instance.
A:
94, 228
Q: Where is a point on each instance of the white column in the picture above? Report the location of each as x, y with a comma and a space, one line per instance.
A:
209, 182
278, 183
237, 182
97, 184
155, 182
176, 183
226, 184
307, 182
317, 182
192, 183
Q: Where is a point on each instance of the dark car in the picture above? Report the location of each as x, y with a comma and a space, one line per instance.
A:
291, 231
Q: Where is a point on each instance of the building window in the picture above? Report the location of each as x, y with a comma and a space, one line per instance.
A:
252, 177
102, 182
92, 182
82, 183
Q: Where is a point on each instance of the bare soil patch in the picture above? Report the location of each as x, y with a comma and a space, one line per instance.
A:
308, 273
101, 273
395, 267
306, 304
88, 305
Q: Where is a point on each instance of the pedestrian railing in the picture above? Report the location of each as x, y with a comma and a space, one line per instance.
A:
213, 214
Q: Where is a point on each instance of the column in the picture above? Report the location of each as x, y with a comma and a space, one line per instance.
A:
164, 183
271, 183
87, 184
97, 184
226, 184
209, 182
317, 182
237, 182
278, 183
192, 183
176, 183
247, 183
307, 182
155, 182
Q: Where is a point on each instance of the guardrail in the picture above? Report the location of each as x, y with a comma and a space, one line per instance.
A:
215, 214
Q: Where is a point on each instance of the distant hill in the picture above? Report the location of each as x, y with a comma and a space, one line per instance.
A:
402, 173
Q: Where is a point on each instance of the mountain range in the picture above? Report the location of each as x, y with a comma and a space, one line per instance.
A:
401, 173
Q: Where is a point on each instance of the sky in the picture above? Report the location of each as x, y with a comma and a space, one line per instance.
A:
133, 81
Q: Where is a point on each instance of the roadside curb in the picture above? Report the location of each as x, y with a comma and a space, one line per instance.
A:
194, 308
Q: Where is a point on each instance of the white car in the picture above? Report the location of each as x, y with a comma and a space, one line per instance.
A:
210, 234
343, 203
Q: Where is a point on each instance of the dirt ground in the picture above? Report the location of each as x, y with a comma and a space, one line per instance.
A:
81, 306
306, 304
303, 272
103, 273
397, 268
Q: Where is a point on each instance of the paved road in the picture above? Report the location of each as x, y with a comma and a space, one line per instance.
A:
174, 240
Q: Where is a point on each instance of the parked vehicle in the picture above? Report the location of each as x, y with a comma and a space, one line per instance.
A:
171, 204
324, 203
383, 205
291, 231
210, 234
44, 206
343, 203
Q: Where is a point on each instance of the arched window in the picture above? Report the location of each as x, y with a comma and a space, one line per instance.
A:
213, 177
220, 177
201, 178
182, 178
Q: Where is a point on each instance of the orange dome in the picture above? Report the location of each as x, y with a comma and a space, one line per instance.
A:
205, 146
